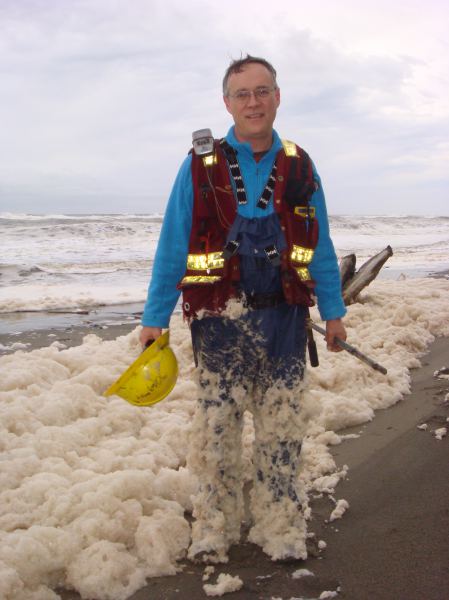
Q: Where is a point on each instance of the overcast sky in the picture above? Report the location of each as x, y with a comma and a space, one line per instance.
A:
98, 98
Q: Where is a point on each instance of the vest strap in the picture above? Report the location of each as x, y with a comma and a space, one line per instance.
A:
308, 212
234, 167
230, 249
273, 255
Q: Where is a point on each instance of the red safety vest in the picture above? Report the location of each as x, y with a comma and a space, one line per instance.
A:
211, 280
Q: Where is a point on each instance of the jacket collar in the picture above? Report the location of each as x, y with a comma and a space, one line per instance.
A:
244, 148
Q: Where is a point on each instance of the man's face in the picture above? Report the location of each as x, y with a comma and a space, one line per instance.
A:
253, 117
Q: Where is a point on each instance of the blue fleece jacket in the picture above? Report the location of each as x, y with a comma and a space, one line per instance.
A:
171, 254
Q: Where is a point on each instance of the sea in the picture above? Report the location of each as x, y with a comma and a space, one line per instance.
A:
100, 264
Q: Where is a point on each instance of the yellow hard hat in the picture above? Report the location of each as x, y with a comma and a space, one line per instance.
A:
151, 377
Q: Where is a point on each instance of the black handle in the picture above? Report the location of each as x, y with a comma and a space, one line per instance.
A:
311, 345
313, 352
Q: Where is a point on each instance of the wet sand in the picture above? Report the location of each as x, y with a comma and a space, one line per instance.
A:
392, 542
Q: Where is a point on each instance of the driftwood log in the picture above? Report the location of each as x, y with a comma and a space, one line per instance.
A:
352, 281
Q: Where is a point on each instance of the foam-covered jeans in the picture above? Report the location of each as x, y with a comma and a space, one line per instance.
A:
252, 362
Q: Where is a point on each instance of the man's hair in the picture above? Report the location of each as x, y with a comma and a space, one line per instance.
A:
237, 66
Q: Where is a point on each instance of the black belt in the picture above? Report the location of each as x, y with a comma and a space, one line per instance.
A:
257, 301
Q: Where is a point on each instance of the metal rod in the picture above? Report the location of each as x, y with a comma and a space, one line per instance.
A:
366, 359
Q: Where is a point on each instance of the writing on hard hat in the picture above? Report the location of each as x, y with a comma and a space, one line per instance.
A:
150, 378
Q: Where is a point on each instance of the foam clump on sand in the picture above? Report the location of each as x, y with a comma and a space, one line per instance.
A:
208, 572
327, 483
442, 373
339, 510
225, 583
440, 433
93, 490
299, 573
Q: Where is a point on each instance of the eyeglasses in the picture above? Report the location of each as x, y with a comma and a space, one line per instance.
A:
261, 93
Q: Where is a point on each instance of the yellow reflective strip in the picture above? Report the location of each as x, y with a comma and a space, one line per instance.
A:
203, 262
209, 160
200, 279
301, 254
303, 273
303, 212
289, 148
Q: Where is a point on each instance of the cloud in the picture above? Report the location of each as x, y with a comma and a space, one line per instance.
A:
100, 98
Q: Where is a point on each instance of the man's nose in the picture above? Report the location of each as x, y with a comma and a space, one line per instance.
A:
253, 99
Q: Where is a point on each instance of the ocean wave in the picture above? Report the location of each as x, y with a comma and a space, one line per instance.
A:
7, 216
94, 268
10, 273
74, 268
106, 255
389, 225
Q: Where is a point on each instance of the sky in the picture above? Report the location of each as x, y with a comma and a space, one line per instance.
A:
99, 98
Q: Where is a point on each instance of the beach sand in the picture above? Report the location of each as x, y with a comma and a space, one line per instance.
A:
390, 545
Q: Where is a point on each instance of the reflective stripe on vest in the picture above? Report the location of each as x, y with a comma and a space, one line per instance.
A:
300, 254
191, 279
289, 148
205, 262
209, 160
303, 273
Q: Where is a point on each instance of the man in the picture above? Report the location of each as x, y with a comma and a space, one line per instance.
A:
246, 238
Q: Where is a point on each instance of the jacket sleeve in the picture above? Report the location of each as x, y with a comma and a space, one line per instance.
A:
324, 266
171, 253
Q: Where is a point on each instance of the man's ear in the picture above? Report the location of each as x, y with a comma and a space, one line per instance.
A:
227, 104
277, 95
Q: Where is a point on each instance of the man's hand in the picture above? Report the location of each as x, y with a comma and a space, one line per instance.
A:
334, 328
149, 333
